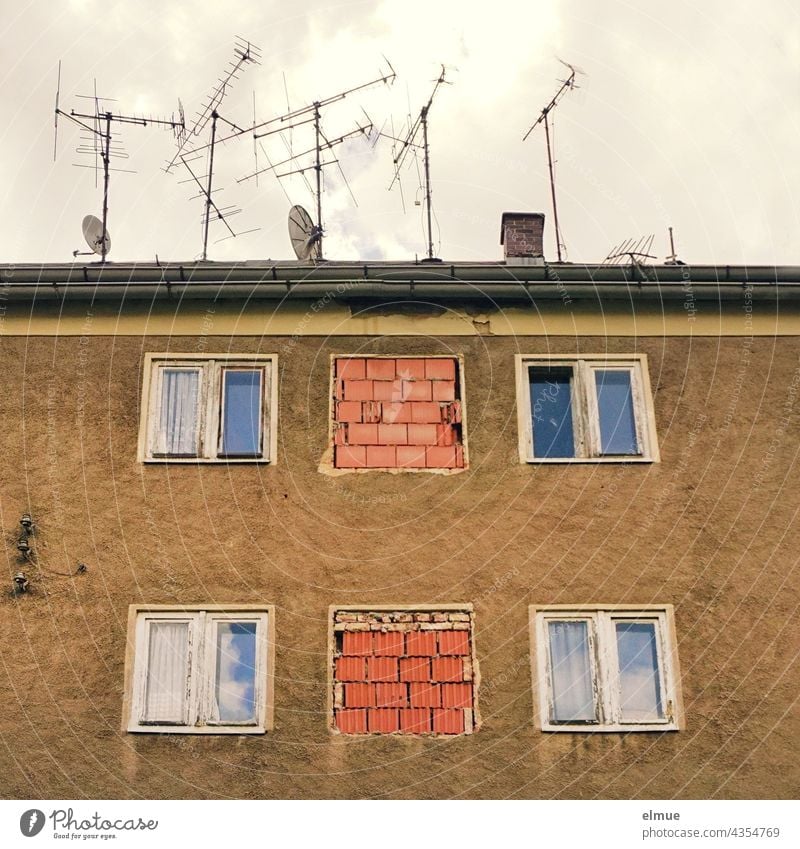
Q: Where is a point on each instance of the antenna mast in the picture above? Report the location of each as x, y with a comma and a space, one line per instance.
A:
100, 133
543, 118
410, 143
244, 52
313, 115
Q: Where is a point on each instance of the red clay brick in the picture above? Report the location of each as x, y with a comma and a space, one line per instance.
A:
359, 695
392, 434
351, 369
443, 390
380, 369
357, 643
350, 457
454, 642
372, 412
424, 694
417, 390
410, 369
422, 434
447, 721
411, 456
415, 669
445, 435
348, 411
440, 368
440, 457
447, 669
387, 390
382, 669
362, 434
389, 644
426, 412
415, 720
340, 435
452, 412
385, 721
421, 643
454, 695
459, 456
391, 695
350, 669
381, 457
358, 390
351, 721
396, 413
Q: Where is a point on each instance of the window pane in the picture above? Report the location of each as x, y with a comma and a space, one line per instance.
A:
551, 412
235, 675
571, 672
615, 408
167, 672
179, 420
640, 689
241, 418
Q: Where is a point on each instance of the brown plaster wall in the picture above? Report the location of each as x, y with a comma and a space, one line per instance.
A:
711, 529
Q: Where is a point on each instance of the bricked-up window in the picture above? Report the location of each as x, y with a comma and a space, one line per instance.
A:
208, 408
606, 669
404, 671
397, 413
585, 409
199, 670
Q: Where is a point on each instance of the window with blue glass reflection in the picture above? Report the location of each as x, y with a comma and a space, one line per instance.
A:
576, 408
551, 412
241, 414
615, 411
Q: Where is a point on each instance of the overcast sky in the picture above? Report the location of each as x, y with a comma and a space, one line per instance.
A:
688, 115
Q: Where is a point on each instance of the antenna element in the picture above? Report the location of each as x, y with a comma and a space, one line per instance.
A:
543, 118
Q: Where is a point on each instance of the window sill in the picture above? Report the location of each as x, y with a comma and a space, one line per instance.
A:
202, 729
561, 461
206, 461
611, 729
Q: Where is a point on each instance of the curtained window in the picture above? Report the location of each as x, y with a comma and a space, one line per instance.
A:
606, 669
209, 408
200, 671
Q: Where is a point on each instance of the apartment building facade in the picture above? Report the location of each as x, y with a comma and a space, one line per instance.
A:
396, 530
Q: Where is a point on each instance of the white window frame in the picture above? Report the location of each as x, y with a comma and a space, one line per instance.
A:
585, 416
203, 622
211, 401
604, 664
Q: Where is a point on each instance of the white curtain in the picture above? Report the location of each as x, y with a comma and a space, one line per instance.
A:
179, 415
571, 672
167, 672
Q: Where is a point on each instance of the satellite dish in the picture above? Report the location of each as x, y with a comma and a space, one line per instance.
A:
304, 234
93, 233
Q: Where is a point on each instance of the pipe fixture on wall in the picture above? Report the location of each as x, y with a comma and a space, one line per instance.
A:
23, 544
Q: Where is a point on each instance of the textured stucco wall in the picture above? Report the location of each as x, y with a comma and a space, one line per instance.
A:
712, 529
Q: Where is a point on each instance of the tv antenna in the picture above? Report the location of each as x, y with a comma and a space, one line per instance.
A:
566, 85
632, 249
188, 152
98, 141
412, 142
312, 114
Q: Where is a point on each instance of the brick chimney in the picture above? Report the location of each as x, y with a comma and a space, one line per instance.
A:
521, 234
